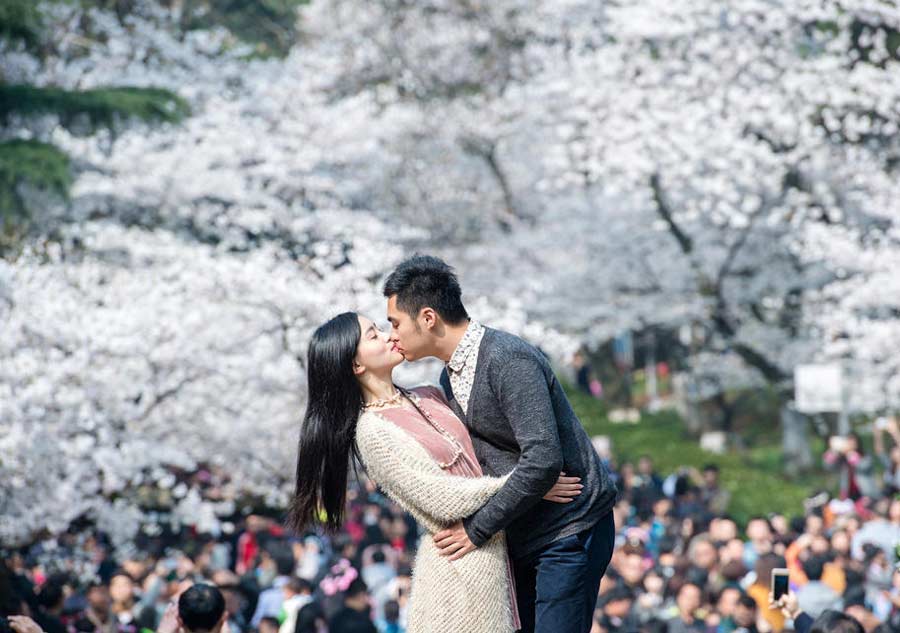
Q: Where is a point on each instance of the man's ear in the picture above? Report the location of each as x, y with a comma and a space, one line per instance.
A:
428, 317
222, 625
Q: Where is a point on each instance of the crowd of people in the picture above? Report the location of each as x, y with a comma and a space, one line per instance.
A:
681, 565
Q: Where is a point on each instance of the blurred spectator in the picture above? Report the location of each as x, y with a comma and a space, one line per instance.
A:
391, 621
759, 590
98, 616
883, 531
616, 613
272, 599
836, 622
311, 619
50, 601
201, 609
680, 561
268, 624
354, 617
582, 372
759, 540
297, 594
815, 596
725, 607
121, 591
712, 495
378, 575
846, 455
689, 599
745, 615
890, 460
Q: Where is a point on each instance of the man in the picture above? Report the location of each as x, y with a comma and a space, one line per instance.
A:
271, 600
378, 576
617, 614
815, 596
297, 594
354, 616
122, 590
746, 615
519, 418
714, 498
268, 625
688, 600
50, 601
98, 617
200, 609
760, 540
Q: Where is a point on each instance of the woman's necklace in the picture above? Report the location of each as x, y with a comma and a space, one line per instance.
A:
457, 447
384, 402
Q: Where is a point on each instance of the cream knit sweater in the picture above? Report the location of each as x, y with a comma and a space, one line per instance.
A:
469, 595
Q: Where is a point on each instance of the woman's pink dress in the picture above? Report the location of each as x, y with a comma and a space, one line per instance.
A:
431, 400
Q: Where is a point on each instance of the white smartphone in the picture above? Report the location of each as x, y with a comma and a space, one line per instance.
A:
779, 582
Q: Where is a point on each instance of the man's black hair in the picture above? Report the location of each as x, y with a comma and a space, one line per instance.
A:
854, 596
619, 592
831, 621
654, 625
300, 585
201, 607
94, 583
283, 557
423, 281
764, 519
814, 566
392, 611
51, 594
357, 586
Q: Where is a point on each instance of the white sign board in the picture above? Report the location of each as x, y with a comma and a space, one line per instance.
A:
818, 388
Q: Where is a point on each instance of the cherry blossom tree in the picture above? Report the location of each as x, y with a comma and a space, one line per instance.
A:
588, 167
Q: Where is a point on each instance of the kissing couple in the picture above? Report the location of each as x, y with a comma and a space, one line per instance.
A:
495, 466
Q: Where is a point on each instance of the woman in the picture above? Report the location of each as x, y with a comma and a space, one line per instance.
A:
420, 454
759, 590
856, 468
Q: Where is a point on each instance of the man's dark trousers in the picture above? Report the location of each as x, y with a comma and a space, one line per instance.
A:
556, 587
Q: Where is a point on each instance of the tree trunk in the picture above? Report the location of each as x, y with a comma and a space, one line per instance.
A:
797, 453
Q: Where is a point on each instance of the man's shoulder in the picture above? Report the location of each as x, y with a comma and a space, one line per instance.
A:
351, 620
505, 345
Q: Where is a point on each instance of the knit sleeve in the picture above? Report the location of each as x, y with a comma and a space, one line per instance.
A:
408, 474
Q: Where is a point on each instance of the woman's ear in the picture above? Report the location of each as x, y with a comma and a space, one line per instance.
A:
358, 370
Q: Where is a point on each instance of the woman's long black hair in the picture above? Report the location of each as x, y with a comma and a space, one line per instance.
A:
327, 436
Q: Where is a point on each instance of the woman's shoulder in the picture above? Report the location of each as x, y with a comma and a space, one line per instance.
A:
373, 426
381, 440
369, 423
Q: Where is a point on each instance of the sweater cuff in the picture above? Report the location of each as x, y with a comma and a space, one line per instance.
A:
477, 541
